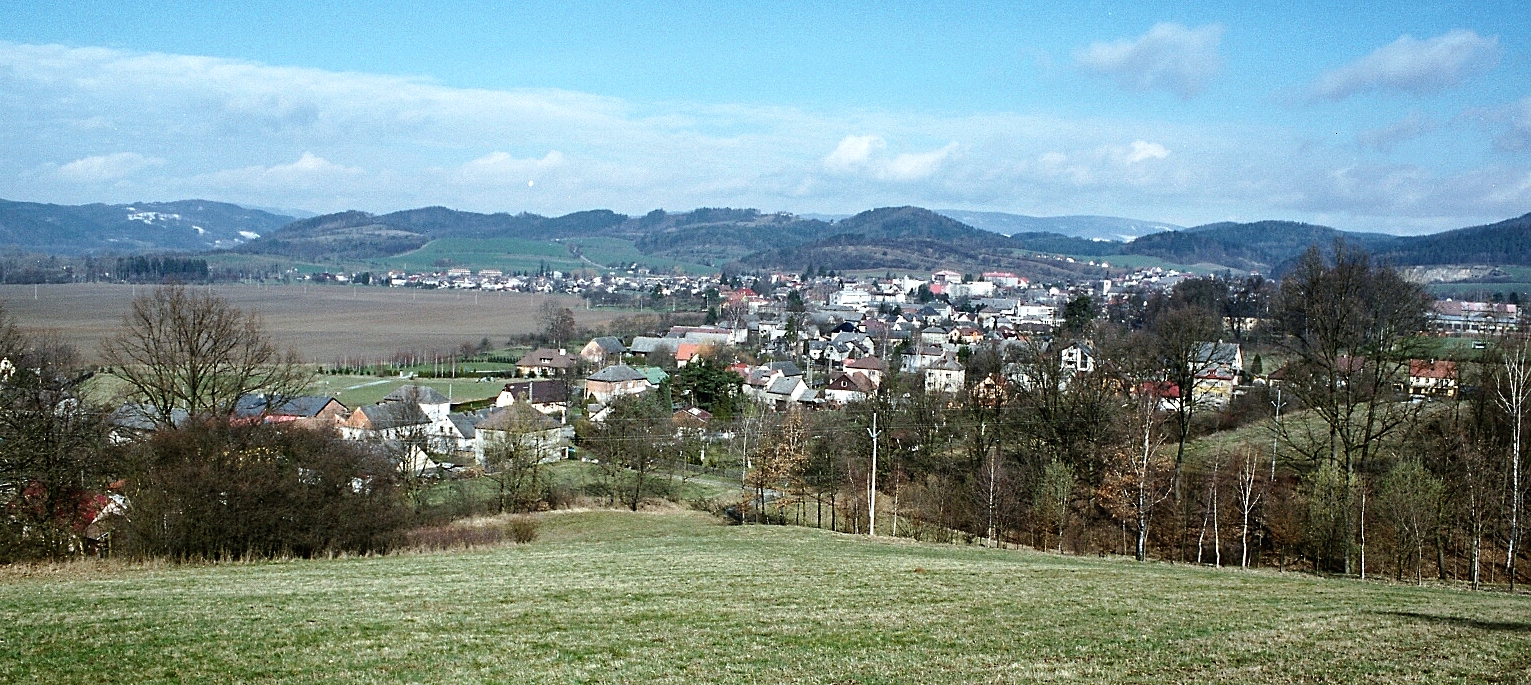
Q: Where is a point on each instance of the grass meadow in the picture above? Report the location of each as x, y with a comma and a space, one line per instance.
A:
676, 597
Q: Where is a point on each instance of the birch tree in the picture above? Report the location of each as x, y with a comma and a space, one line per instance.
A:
1512, 393
1248, 495
1138, 476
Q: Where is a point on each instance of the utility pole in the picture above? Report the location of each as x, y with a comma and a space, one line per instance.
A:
993, 467
1275, 439
872, 497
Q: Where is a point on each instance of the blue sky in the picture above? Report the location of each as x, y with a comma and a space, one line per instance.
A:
1394, 118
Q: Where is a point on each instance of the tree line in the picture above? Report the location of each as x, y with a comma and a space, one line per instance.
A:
178, 468
1331, 467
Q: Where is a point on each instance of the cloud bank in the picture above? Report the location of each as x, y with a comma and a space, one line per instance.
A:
1169, 57
100, 125
1408, 65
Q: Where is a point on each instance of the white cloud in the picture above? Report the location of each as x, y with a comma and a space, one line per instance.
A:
1516, 120
864, 155
328, 141
105, 167
1169, 57
1409, 65
854, 152
500, 167
309, 170
1385, 138
1143, 150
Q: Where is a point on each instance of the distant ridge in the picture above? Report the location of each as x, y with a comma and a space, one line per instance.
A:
894, 238
184, 225
1111, 228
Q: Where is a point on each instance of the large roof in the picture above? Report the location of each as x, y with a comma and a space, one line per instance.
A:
393, 415
516, 418
420, 394
617, 373
538, 392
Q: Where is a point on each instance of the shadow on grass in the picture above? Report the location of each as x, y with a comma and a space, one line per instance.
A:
1506, 626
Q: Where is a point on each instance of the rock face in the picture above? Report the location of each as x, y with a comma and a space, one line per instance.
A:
1449, 274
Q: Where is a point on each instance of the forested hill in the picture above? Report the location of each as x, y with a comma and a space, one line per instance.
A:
1506, 243
185, 225
1259, 246
885, 238
912, 238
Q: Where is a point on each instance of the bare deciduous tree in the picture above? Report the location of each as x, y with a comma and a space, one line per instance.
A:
1514, 389
183, 348
1248, 494
53, 464
1135, 479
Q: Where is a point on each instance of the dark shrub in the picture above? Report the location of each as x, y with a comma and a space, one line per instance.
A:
523, 529
452, 536
214, 490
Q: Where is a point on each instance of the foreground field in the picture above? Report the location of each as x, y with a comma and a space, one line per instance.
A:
674, 597
324, 323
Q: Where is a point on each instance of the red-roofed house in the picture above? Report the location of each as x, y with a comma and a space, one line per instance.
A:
1432, 377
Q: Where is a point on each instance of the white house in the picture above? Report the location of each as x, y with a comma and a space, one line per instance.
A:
519, 428
946, 376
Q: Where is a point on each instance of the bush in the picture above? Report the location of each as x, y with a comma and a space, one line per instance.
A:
211, 490
453, 536
523, 529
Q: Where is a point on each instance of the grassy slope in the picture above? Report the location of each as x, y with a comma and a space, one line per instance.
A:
355, 391
507, 254
672, 597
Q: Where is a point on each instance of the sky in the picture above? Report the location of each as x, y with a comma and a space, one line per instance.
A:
1400, 118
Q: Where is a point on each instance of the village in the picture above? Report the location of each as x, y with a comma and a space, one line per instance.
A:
802, 341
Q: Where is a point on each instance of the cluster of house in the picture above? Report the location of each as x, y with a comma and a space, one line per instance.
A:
1460, 317
837, 338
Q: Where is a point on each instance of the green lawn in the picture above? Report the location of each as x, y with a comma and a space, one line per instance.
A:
674, 597
355, 391
618, 254
506, 254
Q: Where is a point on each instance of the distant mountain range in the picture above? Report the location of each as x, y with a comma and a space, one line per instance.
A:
894, 238
1088, 227
186, 225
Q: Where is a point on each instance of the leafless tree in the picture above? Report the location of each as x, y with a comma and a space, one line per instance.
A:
188, 349
53, 461
514, 466
1054, 493
1513, 391
1138, 474
1248, 494
558, 323
1350, 325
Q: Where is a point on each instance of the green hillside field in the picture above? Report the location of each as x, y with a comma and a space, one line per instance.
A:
677, 597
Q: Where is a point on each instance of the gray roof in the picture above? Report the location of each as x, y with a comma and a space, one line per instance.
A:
786, 368
617, 373
948, 364
538, 392
307, 406
141, 417
421, 394
393, 415
516, 418
1217, 353
783, 386
647, 345
464, 423
609, 344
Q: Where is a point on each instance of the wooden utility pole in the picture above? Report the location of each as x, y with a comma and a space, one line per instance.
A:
872, 480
